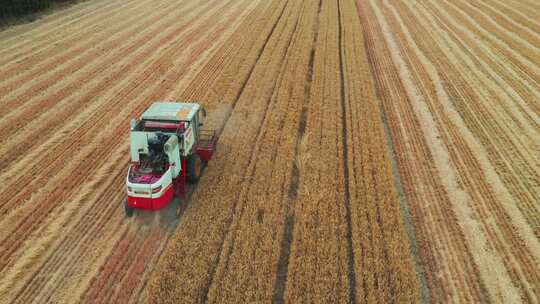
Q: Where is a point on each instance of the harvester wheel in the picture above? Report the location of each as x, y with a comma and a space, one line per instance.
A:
194, 168
128, 209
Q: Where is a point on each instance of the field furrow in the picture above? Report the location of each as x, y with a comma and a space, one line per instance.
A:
261, 205
412, 154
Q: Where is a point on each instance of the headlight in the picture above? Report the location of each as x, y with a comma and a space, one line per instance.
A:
156, 190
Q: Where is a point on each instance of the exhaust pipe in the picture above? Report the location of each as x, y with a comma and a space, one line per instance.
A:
171, 143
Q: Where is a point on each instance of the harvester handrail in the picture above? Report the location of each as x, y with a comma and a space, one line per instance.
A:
207, 139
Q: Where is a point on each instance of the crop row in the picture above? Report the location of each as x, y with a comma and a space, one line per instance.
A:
79, 158
328, 225
60, 155
474, 215
382, 249
205, 224
19, 42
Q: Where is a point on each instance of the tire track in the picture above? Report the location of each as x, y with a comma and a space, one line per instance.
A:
345, 144
288, 231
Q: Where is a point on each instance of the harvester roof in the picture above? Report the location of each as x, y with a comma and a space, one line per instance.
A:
171, 111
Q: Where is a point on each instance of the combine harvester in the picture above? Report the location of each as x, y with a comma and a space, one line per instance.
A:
168, 150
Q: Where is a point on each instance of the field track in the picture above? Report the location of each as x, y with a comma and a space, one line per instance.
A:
369, 151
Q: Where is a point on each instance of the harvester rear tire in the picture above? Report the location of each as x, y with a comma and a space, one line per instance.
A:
128, 210
194, 169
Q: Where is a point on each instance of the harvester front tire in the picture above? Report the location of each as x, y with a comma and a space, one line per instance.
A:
128, 210
194, 169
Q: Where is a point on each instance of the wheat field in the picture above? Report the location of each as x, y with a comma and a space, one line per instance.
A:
369, 151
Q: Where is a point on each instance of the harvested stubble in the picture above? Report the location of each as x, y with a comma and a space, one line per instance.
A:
74, 170
462, 114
